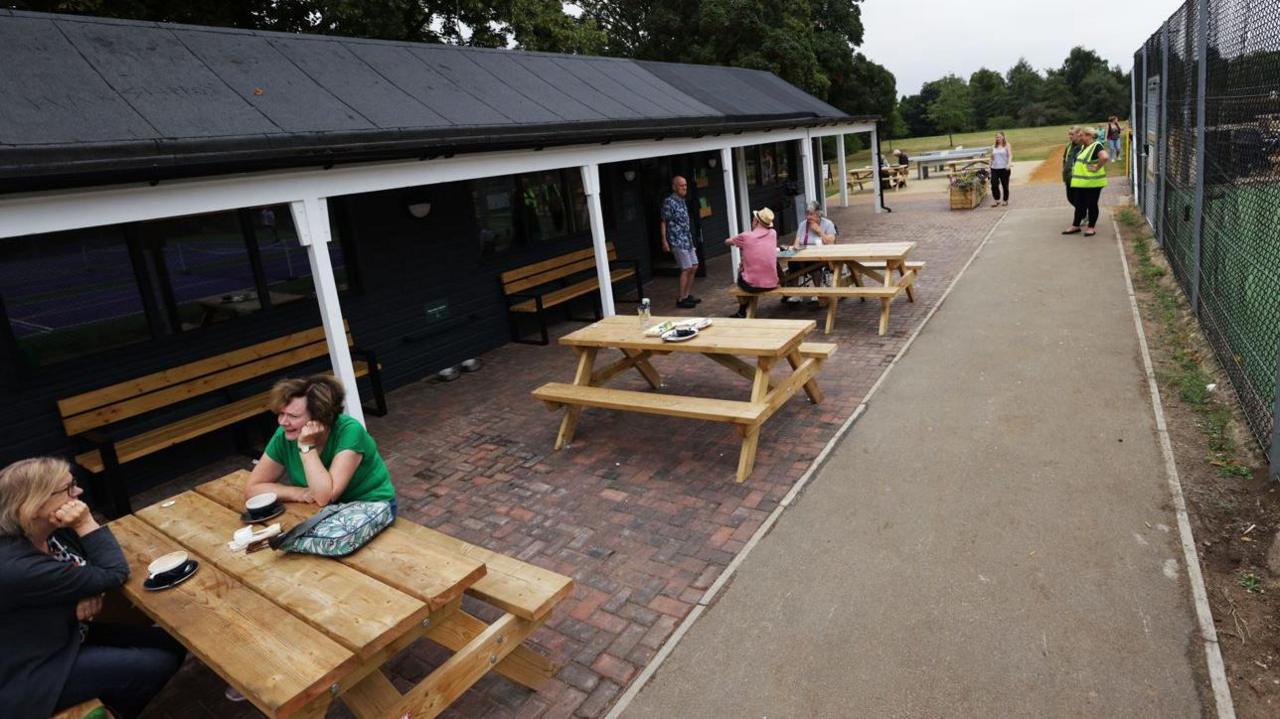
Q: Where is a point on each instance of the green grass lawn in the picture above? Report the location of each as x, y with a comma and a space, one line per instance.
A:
1028, 143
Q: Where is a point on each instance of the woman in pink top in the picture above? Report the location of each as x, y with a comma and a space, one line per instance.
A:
759, 246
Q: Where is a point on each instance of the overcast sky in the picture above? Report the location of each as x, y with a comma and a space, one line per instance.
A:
922, 40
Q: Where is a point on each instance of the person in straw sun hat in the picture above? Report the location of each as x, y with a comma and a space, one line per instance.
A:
759, 246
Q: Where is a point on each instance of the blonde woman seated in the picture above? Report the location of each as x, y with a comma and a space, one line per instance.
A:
55, 565
319, 455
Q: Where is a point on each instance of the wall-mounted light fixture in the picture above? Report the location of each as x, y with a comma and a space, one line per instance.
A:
629, 175
420, 209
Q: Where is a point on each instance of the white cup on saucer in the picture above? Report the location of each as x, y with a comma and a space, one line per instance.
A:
166, 563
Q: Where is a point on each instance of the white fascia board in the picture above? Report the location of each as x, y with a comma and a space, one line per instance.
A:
38, 213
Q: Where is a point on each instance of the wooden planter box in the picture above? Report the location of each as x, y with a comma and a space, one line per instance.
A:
968, 198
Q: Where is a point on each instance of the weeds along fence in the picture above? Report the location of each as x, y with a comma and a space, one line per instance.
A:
1206, 120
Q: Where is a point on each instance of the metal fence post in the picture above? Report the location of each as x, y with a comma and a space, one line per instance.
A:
1202, 49
1162, 152
1273, 456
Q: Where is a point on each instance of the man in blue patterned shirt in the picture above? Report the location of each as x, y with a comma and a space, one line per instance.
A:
677, 238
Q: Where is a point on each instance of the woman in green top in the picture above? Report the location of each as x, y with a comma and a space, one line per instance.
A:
319, 455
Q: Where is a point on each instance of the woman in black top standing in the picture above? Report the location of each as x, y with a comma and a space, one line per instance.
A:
55, 565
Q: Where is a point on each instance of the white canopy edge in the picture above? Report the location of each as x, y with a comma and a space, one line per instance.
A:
37, 213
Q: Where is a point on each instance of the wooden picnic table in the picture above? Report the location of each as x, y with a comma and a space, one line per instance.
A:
293, 632
854, 262
764, 342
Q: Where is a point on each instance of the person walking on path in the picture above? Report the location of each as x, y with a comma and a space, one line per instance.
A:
759, 246
1114, 132
1069, 153
1001, 161
1088, 177
677, 239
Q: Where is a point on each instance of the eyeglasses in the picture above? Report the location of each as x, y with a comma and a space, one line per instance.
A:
68, 489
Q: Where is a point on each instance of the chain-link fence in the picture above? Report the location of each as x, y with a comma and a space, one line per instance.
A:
1206, 121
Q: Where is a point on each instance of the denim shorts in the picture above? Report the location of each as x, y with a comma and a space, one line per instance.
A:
685, 257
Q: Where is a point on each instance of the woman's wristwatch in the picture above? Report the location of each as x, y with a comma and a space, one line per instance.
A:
304, 448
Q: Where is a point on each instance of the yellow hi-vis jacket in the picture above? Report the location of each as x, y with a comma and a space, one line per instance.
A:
1081, 175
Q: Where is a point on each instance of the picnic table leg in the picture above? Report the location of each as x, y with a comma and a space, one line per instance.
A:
747, 457
751, 306
586, 359
884, 315
751, 433
644, 367
901, 267
832, 304
810, 387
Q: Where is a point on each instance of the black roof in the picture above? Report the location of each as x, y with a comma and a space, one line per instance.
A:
90, 100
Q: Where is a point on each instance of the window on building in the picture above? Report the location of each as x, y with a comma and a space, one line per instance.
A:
284, 261
752, 155
543, 206
70, 294
495, 220
768, 165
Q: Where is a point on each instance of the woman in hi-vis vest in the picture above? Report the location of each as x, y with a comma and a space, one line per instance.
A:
1088, 177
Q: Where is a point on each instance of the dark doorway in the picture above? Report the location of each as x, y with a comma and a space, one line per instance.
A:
654, 178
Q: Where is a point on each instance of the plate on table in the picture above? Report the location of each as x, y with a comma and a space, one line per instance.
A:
679, 334
181, 574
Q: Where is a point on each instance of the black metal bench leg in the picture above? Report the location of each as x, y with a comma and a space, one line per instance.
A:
375, 383
115, 480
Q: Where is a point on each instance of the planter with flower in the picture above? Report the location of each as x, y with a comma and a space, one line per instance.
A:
969, 188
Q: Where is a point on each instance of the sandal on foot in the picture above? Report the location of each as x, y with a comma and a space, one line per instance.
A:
1089, 233
1071, 231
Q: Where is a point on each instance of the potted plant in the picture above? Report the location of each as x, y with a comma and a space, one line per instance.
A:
969, 188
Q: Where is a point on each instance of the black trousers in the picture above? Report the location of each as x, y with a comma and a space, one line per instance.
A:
1071, 195
123, 665
1086, 204
1000, 177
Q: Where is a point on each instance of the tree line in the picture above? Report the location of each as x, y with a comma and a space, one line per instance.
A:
1085, 87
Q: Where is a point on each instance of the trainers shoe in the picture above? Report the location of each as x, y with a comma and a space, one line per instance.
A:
740, 314
686, 303
232, 695
696, 300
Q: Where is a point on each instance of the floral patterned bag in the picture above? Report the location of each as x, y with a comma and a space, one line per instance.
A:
336, 530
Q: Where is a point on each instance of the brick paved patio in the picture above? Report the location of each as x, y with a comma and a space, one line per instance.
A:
642, 511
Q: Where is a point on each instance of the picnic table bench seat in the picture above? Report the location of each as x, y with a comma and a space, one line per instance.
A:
885, 294
536, 288
105, 426
556, 394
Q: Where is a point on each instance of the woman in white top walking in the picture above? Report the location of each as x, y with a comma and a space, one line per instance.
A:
1001, 160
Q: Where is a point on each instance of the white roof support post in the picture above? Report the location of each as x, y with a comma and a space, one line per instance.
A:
311, 218
806, 172
875, 167
844, 171
591, 185
821, 171
744, 192
730, 204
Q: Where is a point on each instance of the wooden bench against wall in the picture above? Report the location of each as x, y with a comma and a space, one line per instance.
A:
103, 425
533, 289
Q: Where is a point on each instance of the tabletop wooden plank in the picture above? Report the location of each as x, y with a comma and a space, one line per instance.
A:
355, 610
432, 574
275, 659
856, 251
509, 584
767, 338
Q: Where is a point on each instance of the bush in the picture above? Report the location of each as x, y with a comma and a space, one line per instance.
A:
1000, 122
